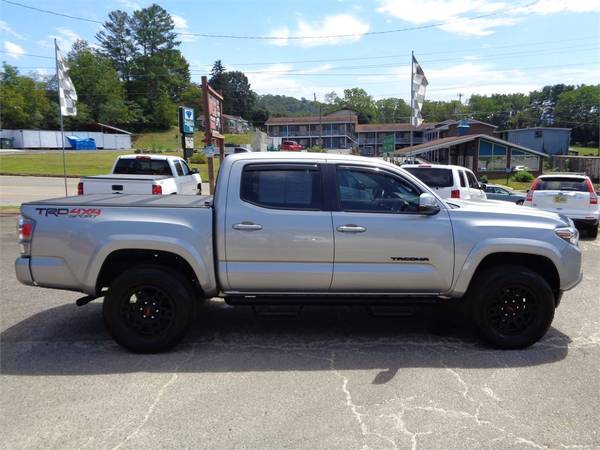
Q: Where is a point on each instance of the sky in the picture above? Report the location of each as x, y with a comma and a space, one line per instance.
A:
308, 47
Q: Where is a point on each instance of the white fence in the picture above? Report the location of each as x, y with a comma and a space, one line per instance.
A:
51, 139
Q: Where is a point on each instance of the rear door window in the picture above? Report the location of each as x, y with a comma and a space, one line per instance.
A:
142, 166
432, 176
289, 186
178, 168
463, 180
473, 183
562, 184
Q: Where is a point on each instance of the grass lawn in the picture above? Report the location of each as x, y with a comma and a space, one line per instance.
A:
167, 140
78, 164
519, 186
585, 151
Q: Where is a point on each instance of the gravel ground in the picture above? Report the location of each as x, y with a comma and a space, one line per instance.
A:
329, 378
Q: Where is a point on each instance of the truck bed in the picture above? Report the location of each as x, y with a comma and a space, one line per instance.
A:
130, 201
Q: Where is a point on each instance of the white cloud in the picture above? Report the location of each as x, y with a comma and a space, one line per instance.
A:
460, 15
65, 38
478, 27
181, 27
13, 50
562, 6
281, 36
4, 27
340, 24
130, 5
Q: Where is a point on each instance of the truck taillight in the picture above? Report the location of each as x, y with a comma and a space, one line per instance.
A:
530, 191
593, 196
156, 189
455, 193
25, 228
80, 188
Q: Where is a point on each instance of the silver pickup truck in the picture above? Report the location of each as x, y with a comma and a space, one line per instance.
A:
300, 228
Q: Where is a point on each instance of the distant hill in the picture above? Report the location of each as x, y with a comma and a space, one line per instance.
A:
282, 105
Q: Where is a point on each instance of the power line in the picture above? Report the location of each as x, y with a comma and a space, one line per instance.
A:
271, 38
54, 13
399, 55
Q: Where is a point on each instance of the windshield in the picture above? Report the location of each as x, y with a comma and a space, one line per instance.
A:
431, 176
142, 166
562, 184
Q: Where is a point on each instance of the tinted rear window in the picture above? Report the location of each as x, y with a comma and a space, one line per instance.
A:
432, 177
284, 188
562, 184
135, 166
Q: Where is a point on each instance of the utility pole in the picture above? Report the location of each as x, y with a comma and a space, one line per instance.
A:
412, 94
460, 98
320, 121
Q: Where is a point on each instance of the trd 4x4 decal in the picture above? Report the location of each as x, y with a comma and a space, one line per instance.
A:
69, 212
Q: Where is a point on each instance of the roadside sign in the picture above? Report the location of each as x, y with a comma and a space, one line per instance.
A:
209, 151
187, 121
189, 141
389, 144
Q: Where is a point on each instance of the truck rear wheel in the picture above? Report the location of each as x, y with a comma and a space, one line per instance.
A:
148, 309
512, 306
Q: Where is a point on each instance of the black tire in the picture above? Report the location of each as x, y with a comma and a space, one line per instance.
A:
148, 309
593, 232
511, 306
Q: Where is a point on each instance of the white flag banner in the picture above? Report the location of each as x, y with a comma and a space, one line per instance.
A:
66, 91
419, 85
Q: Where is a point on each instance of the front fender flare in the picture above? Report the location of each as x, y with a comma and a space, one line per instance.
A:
501, 245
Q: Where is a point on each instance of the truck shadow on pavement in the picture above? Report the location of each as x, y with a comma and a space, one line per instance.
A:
67, 340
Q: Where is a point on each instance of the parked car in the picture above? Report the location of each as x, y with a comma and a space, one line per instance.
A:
144, 174
497, 192
572, 195
290, 146
520, 168
306, 228
448, 181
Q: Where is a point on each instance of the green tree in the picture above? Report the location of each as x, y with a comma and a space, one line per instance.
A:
153, 30
358, 101
24, 103
579, 109
98, 87
392, 110
116, 42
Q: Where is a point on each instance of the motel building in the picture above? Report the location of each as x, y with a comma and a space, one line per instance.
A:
467, 142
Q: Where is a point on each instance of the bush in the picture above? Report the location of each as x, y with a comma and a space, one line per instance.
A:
523, 176
316, 149
483, 178
198, 158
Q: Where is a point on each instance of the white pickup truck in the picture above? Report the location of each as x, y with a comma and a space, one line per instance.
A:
145, 174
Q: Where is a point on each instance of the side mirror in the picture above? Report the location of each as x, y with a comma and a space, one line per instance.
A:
428, 204
482, 186
194, 171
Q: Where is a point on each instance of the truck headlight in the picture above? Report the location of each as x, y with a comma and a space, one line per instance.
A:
569, 234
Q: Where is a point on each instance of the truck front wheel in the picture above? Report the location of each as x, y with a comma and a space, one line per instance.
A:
148, 309
512, 306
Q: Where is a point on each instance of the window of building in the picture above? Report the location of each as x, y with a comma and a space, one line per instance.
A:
525, 160
290, 186
492, 157
367, 190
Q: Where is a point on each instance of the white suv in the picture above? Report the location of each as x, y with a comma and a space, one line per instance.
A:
448, 181
568, 194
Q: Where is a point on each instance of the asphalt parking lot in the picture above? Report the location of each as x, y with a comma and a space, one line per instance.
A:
329, 378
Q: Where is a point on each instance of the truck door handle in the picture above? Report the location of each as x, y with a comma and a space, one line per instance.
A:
351, 228
247, 226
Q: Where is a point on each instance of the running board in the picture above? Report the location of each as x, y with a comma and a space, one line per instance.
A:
330, 300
